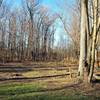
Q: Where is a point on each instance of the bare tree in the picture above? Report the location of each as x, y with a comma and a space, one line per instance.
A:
83, 39
1, 2
95, 6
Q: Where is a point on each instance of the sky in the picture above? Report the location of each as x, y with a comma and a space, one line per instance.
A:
54, 7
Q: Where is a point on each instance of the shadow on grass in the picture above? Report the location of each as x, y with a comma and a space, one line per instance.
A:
38, 92
16, 89
32, 78
15, 69
48, 96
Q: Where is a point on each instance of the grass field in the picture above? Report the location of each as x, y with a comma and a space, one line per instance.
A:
46, 88
31, 91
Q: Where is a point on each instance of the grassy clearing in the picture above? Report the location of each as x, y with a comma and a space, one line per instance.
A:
37, 72
51, 97
52, 64
43, 73
19, 88
46, 89
33, 91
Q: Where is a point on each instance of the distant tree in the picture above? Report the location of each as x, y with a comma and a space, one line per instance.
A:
1, 2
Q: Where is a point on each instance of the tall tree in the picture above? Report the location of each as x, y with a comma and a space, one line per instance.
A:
94, 38
83, 39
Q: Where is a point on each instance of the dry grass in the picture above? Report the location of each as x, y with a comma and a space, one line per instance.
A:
54, 88
43, 73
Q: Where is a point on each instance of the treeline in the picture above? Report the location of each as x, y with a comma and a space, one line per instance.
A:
27, 33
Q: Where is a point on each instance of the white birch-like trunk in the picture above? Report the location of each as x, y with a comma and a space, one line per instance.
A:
82, 40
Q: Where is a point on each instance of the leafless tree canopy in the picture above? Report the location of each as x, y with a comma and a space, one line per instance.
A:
28, 32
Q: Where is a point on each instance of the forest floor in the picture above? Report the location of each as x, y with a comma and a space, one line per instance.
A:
44, 81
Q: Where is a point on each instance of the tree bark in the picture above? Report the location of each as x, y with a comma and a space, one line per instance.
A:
83, 40
95, 3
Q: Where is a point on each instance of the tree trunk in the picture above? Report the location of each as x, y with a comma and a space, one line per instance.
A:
30, 40
95, 3
83, 39
89, 54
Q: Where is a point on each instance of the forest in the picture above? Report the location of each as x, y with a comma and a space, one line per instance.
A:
49, 49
